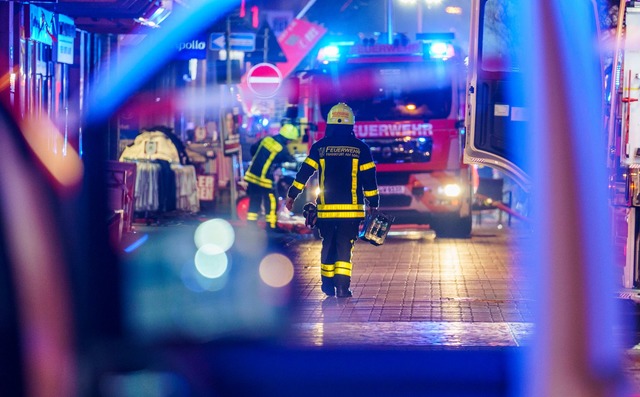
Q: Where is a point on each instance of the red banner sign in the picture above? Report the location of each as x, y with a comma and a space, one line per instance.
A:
296, 41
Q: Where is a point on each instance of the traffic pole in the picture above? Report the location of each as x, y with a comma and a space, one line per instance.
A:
266, 45
227, 105
389, 21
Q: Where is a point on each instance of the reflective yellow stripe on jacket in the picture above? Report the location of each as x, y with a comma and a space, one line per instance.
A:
264, 182
273, 147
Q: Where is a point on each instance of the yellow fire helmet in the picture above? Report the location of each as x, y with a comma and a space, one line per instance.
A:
341, 114
290, 131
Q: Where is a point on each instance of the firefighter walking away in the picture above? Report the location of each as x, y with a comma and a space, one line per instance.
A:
347, 177
268, 153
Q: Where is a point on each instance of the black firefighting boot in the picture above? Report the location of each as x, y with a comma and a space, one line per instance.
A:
342, 286
327, 286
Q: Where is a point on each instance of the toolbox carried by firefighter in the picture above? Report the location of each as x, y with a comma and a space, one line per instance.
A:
375, 227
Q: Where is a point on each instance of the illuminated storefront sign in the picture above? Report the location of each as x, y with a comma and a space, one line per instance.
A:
63, 47
42, 25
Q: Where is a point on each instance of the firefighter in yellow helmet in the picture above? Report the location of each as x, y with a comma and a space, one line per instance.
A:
347, 176
268, 153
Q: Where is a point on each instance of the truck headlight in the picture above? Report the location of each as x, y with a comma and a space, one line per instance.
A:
451, 190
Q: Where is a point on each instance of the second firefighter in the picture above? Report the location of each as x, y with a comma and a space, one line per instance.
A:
268, 153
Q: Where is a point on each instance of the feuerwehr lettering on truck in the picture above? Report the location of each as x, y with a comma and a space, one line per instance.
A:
392, 130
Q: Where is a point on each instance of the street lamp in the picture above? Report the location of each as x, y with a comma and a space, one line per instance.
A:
419, 4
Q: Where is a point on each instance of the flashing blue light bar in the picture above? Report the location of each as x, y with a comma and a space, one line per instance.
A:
330, 53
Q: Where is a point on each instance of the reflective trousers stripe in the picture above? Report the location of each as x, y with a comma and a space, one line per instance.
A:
255, 203
340, 267
343, 268
327, 270
271, 216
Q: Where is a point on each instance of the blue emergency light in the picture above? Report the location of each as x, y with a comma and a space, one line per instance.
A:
438, 49
330, 53
437, 45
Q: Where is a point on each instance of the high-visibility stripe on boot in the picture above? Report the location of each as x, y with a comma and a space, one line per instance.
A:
343, 268
252, 216
327, 270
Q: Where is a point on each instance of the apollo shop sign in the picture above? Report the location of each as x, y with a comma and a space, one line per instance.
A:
381, 129
196, 48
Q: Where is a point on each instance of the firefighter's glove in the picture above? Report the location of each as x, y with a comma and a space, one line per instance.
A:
310, 213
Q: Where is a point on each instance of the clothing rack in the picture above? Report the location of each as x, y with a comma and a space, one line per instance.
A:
163, 187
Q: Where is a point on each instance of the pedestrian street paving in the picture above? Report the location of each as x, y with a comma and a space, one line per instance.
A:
419, 292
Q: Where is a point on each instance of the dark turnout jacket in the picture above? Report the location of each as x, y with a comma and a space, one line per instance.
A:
267, 153
346, 174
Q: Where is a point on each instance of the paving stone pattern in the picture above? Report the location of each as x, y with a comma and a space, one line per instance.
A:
419, 292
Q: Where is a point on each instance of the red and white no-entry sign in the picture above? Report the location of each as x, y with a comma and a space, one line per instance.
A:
264, 79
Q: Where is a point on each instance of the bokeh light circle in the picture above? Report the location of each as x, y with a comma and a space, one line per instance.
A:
276, 270
216, 232
196, 282
210, 261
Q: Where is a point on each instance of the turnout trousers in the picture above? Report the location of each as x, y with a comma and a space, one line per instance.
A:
338, 237
262, 197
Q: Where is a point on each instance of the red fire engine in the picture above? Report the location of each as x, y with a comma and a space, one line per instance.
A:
496, 121
408, 101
